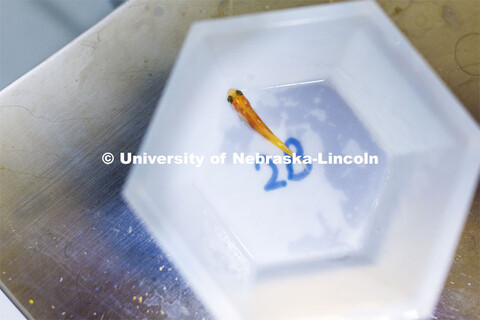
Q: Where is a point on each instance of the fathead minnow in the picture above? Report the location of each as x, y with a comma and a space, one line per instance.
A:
246, 112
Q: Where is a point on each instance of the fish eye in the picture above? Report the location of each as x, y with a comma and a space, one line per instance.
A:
240, 93
230, 99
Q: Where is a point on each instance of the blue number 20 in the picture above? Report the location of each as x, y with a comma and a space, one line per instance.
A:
272, 184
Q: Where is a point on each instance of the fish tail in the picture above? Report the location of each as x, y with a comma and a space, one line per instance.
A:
279, 143
276, 141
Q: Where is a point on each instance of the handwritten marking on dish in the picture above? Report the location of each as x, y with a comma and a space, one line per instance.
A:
273, 183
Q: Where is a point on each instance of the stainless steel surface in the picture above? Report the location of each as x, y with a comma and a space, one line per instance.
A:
70, 247
32, 30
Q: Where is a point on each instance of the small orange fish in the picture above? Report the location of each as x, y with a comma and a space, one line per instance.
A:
246, 112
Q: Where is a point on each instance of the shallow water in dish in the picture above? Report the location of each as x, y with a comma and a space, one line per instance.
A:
284, 214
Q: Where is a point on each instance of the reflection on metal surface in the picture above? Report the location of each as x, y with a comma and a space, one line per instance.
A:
33, 30
77, 251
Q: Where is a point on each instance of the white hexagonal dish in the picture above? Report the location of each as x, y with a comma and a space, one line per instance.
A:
343, 242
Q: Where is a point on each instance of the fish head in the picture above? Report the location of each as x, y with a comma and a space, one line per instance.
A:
232, 94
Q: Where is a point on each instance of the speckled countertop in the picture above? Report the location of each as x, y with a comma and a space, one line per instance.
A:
69, 246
